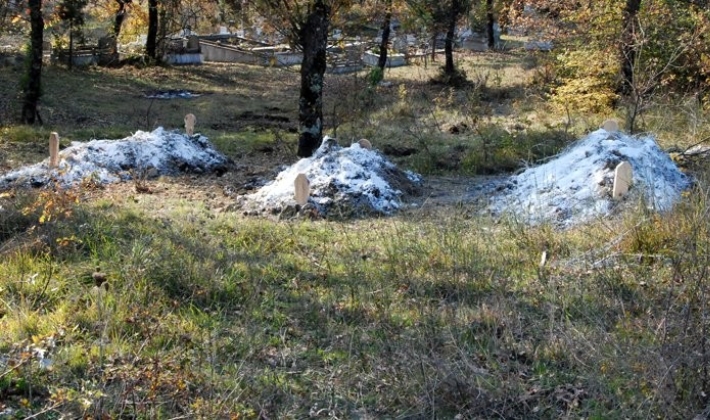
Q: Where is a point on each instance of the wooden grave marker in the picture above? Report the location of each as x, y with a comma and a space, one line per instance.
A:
365, 144
190, 121
53, 150
623, 176
302, 189
611, 126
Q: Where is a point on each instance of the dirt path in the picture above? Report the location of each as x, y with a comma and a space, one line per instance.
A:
442, 191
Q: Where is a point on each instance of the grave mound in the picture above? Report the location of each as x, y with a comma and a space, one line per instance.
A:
577, 185
343, 182
144, 154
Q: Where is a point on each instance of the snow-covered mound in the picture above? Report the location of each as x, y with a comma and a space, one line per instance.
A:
156, 153
344, 182
577, 185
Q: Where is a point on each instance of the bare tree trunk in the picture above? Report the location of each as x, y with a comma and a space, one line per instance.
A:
628, 46
382, 61
151, 40
71, 46
313, 39
490, 24
119, 18
33, 89
449, 68
433, 46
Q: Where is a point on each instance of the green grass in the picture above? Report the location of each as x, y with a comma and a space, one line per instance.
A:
430, 314
216, 316
110, 103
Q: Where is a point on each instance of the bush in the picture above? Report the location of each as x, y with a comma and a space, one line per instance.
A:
375, 76
587, 79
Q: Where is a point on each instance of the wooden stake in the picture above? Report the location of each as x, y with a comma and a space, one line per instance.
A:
302, 189
611, 126
623, 176
190, 121
53, 150
365, 144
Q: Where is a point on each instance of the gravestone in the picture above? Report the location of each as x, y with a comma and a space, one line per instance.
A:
365, 144
53, 150
623, 176
611, 126
190, 121
302, 189
107, 43
193, 43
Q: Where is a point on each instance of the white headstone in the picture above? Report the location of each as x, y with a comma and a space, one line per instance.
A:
190, 121
302, 189
365, 144
623, 176
611, 126
53, 150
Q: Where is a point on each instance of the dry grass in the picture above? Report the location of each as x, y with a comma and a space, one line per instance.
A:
111, 103
430, 314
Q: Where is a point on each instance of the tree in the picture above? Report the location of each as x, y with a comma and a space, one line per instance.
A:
168, 16
386, 26
313, 38
443, 16
667, 56
6, 12
456, 9
72, 12
306, 24
624, 53
120, 17
33, 83
151, 40
628, 45
490, 24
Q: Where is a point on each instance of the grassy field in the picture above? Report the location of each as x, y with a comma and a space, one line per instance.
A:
115, 304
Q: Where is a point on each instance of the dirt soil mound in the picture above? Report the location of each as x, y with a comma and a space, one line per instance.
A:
344, 182
144, 154
577, 185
